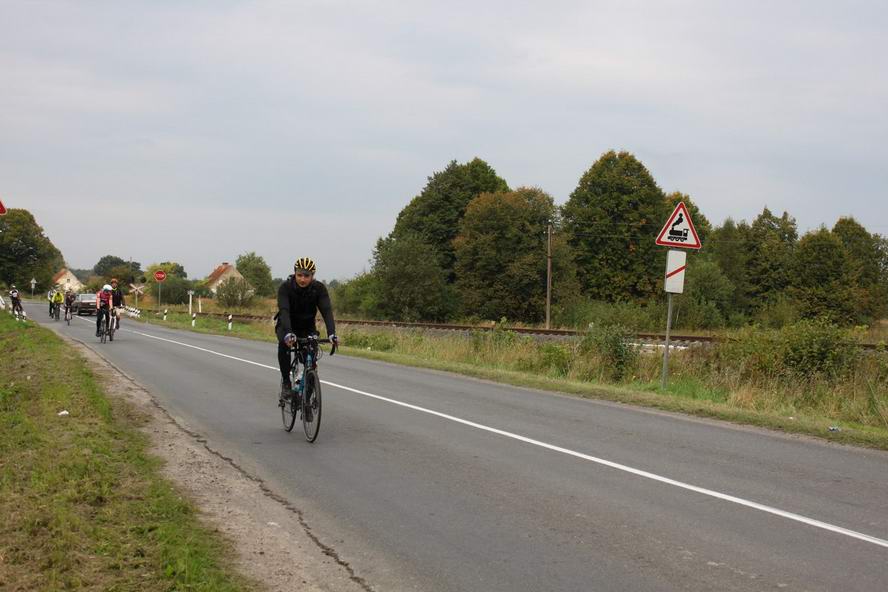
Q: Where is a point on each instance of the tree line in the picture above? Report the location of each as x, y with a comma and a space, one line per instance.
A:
470, 247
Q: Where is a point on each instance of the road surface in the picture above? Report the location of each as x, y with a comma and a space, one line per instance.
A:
423, 480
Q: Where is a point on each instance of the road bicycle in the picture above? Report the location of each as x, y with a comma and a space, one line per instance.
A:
68, 313
55, 311
106, 328
305, 398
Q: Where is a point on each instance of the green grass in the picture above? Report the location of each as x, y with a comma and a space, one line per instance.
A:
857, 404
84, 506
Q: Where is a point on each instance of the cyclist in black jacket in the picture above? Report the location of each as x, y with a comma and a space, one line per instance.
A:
300, 298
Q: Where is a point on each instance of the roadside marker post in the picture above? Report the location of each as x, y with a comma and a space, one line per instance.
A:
165, 311
193, 318
678, 232
229, 322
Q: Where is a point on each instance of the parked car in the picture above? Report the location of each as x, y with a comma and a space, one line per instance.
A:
84, 304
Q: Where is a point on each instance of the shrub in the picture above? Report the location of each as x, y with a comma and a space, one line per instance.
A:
234, 292
551, 358
613, 344
371, 341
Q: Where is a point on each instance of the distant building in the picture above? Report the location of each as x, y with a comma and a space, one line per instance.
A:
65, 280
220, 274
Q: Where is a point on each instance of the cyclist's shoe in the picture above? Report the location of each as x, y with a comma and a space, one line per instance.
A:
286, 391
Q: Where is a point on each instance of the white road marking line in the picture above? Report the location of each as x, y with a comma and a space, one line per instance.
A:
620, 467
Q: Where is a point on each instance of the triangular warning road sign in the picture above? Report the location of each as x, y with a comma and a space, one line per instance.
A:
679, 231
2, 209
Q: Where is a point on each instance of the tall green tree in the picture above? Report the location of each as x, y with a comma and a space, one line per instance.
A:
257, 272
175, 286
411, 282
863, 264
821, 279
435, 213
26, 252
171, 267
612, 218
771, 245
501, 257
729, 246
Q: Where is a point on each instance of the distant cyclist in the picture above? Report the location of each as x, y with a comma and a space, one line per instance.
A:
300, 297
117, 300
103, 307
49, 296
56, 303
69, 301
16, 299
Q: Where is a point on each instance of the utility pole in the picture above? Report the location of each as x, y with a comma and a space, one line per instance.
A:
549, 275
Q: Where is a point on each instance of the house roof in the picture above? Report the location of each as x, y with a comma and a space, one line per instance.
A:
217, 273
59, 275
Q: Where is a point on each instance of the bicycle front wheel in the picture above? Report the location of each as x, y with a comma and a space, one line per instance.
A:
288, 411
104, 331
311, 406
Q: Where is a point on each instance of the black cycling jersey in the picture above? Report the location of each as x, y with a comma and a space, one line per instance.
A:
297, 308
117, 297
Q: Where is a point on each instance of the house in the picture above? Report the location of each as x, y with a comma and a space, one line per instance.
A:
67, 281
220, 274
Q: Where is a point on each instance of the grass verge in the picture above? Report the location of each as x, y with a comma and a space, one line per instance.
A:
520, 361
84, 506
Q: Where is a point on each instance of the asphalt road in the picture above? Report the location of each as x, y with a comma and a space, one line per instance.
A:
430, 481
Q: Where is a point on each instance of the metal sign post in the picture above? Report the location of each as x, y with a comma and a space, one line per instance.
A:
33, 285
678, 232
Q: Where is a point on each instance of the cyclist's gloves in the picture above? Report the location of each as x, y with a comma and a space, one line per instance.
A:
335, 341
289, 340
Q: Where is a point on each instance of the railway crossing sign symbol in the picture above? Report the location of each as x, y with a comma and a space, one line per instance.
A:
679, 230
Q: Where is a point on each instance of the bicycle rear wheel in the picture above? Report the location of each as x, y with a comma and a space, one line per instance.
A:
104, 330
311, 407
288, 411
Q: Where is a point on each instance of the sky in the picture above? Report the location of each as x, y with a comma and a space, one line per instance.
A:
197, 131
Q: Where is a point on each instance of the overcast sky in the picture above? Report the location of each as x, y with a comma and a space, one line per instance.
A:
196, 131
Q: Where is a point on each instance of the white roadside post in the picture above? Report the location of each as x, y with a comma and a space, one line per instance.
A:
229, 322
193, 319
190, 296
678, 232
199, 305
165, 311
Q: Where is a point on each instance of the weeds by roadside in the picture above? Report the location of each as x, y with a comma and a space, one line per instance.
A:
83, 504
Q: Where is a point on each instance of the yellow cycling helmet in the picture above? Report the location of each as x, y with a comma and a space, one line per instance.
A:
306, 264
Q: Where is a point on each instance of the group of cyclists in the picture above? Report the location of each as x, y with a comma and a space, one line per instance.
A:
300, 297
109, 301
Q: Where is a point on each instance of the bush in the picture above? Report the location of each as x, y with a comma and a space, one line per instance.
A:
234, 292
552, 358
613, 345
804, 350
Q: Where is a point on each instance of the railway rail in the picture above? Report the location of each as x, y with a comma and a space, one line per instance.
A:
563, 333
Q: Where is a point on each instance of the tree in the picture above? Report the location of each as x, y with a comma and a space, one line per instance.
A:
863, 264
612, 218
358, 296
412, 283
175, 286
110, 266
171, 267
821, 278
501, 256
435, 213
729, 246
26, 252
234, 292
771, 243
257, 272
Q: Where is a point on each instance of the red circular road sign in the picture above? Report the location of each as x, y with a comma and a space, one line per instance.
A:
160, 275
